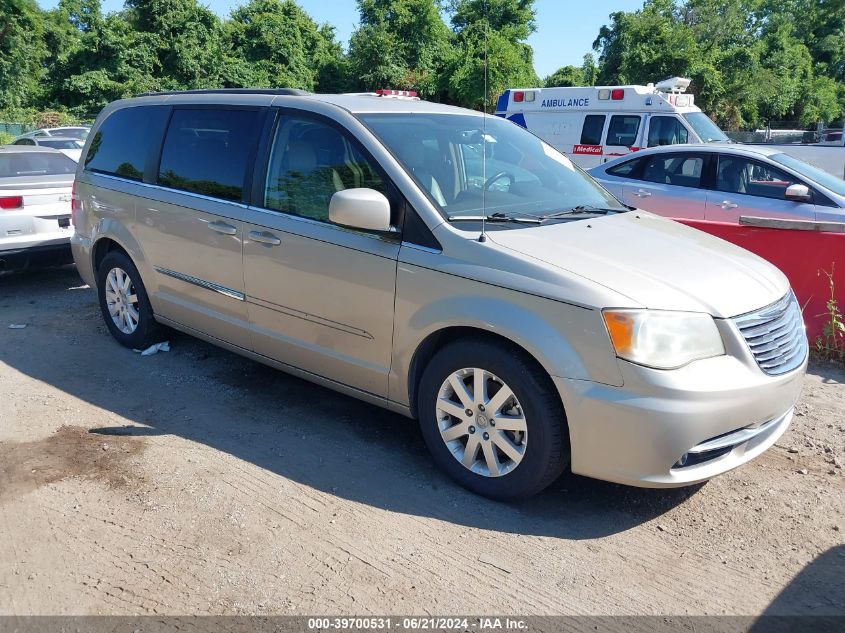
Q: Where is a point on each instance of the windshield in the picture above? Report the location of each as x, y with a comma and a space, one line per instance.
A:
471, 169
707, 131
836, 185
61, 143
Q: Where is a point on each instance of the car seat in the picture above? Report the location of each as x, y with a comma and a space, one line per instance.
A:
413, 153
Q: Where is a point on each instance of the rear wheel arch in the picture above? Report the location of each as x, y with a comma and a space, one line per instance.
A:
103, 247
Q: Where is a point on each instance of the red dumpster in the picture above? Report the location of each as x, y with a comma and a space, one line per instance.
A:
802, 250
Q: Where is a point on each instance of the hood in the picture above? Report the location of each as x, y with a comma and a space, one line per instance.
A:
657, 263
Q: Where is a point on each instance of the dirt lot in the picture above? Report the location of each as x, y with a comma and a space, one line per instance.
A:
197, 481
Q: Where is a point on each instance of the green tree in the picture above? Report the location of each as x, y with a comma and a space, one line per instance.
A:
186, 37
489, 47
751, 61
399, 44
566, 76
589, 70
110, 61
22, 52
277, 45
646, 45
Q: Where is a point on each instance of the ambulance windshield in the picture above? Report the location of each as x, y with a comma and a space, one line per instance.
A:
470, 166
707, 131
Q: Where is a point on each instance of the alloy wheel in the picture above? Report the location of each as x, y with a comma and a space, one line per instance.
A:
481, 422
122, 300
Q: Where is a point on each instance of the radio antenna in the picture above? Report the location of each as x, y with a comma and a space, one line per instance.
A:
483, 236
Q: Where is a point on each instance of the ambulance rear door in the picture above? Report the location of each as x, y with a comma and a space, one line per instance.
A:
587, 149
624, 131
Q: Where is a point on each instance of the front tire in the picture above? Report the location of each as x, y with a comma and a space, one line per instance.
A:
124, 302
493, 420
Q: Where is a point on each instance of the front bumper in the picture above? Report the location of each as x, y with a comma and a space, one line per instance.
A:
712, 416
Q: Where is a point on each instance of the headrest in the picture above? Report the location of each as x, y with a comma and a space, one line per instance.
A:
301, 157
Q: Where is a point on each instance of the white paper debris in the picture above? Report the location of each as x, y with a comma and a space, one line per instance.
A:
17, 326
155, 349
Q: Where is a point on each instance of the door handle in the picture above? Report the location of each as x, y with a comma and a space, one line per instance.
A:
264, 238
642, 193
222, 227
727, 204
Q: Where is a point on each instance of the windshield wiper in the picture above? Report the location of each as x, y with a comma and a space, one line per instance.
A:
496, 217
584, 209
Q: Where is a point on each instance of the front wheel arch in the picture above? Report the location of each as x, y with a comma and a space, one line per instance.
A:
436, 340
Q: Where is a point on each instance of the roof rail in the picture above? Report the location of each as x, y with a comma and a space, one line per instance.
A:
296, 92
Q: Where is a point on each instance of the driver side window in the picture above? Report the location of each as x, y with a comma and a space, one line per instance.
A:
309, 163
737, 174
666, 130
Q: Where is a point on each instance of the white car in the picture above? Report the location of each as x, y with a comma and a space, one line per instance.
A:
35, 207
69, 146
723, 183
73, 131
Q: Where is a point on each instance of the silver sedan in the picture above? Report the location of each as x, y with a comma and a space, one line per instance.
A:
722, 183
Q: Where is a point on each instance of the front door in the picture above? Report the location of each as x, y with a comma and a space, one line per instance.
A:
749, 188
320, 296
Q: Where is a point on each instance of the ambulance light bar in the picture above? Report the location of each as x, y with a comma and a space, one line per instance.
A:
396, 93
673, 84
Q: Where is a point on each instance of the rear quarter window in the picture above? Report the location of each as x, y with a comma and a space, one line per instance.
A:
592, 130
121, 145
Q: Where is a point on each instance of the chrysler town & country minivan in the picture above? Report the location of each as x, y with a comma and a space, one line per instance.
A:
449, 266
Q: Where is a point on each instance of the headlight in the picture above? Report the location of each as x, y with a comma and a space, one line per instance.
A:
664, 340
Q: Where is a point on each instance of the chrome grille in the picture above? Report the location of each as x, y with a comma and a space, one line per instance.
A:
775, 335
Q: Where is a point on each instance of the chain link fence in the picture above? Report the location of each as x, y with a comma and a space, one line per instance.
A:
788, 132
15, 129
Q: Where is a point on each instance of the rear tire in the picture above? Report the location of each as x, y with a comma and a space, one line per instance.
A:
510, 443
124, 302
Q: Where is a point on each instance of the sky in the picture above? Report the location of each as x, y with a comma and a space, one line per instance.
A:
565, 28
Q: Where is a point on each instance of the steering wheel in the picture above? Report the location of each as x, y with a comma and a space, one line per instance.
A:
498, 176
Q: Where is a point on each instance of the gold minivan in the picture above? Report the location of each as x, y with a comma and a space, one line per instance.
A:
447, 265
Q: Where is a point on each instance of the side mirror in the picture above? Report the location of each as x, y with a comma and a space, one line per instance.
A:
798, 193
360, 209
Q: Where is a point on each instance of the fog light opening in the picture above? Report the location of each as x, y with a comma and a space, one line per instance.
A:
682, 462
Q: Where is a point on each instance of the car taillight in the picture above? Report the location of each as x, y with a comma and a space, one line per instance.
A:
11, 202
75, 204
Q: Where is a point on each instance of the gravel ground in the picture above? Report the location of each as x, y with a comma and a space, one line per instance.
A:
199, 482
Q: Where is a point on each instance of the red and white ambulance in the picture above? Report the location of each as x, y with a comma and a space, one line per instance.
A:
595, 124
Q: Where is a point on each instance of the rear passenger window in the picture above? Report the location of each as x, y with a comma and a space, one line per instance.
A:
623, 130
625, 169
206, 151
682, 170
309, 163
593, 127
120, 146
